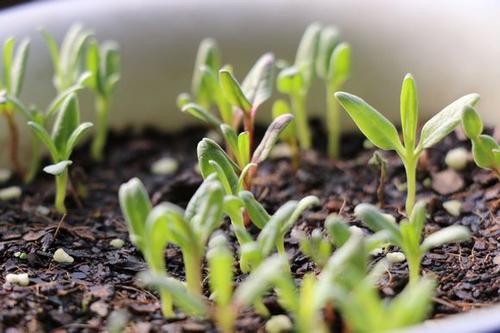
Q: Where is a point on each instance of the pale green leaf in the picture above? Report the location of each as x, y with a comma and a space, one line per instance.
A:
339, 68
270, 138
199, 112
409, 111
258, 84
233, 91
452, 234
472, 123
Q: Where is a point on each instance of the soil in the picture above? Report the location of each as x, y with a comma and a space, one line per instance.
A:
80, 297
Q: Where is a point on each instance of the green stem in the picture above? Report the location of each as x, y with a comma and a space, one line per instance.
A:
192, 267
333, 124
411, 175
61, 182
99, 142
35, 160
14, 142
299, 111
414, 269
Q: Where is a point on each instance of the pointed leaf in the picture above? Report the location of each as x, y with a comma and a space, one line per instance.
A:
208, 55
378, 129
67, 120
233, 91
328, 40
305, 59
271, 232
75, 137
409, 111
271, 137
258, 84
52, 46
45, 138
19, 67
199, 112
7, 57
258, 214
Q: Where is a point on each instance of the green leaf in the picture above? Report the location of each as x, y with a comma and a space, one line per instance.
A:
417, 219
377, 221
271, 232
305, 59
472, 123
233, 91
18, 68
52, 46
194, 204
58, 168
232, 141
220, 262
56, 102
338, 230
67, 120
208, 55
244, 147
183, 99
246, 170
290, 81
328, 40
256, 211
281, 107
409, 111
157, 234
8, 54
260, 280
209, 214
258, 84
199, 112
378, 129
191, 304
270, 138
18, 105
483, 148
208, 151
42, 135
339, 69
453, 234
135, 206
96, 81
75, 137
445, 121
301, 206
111, 58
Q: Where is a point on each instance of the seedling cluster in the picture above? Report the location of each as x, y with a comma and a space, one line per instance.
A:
347, 278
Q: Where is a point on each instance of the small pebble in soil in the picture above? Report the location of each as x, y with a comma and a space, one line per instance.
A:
19, 279
457, 158
42, 210
117, 243
61, 256
279, 324
5, 175
427, 183
395, 257
453, 207
165, 166
10, 193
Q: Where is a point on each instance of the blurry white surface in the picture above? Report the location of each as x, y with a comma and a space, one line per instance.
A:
450, 46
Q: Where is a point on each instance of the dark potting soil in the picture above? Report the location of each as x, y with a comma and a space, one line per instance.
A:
80, 297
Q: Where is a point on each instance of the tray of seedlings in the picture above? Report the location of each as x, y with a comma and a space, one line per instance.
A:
234, 226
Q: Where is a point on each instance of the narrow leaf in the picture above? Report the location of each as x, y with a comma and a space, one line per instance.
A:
339, 69
233, 91
328, 40
19, 67
271, 137
258, 84
305, 59
453, 234
208, 55
258, 214
199, 112
376, 221
75, 137
42, 134
67, 120
409, 111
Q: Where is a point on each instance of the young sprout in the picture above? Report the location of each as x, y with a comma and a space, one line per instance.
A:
237, 174
11, 83
289, 134
66, 132
408, 234
383, 134
252, 92
485, 150
296, 80
41, 118
334, 67
69, 59
206, 90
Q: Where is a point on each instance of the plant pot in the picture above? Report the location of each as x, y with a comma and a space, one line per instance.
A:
159, 41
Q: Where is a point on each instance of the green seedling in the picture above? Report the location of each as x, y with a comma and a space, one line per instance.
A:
485, 149
66, 132
41, 118
289, 134
383, 134
68, 59
206, 90
14, 68
408, 234
333, 65
296, 80
237, 174
103, 62
251, 93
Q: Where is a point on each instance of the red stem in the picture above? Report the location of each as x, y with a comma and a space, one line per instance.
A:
14, 144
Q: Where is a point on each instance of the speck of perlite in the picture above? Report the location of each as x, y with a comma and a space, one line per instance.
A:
62, 257
21, 279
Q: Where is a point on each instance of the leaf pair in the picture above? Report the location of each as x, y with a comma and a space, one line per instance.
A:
485, 149
408, 234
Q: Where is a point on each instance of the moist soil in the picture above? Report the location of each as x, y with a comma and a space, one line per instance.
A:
80, 297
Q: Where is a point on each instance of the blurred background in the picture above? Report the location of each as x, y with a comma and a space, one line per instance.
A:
451, 47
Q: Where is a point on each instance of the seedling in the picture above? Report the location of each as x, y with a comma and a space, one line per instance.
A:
103, 62
41, 118
289, 134
66, 132
485, 149
334, 67
206, 90
14, 68
383, 134
296, 80
237, 174
69, 59
408, 234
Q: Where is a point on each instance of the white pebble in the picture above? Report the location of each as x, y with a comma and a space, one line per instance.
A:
61, 256
453, 207
5, 175
457, 158
278, 324
42, 210
10, 193
165, 166
395, 257
117, 243
19, 279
